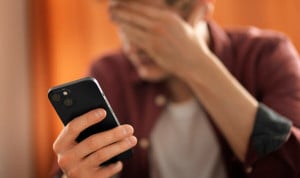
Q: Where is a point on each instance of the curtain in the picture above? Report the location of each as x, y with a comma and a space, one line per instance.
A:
67, 35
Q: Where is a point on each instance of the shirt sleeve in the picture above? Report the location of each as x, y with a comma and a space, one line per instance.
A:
274, 146
271, 130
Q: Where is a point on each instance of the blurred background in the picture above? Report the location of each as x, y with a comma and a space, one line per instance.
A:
47, 42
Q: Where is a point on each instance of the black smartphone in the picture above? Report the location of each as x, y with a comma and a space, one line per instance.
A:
77, 97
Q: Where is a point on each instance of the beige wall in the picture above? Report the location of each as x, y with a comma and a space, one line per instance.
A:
15, 140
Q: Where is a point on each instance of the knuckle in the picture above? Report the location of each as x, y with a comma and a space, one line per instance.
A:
72, 128
62, 161
73, 172
66, 159
92, 143
101, 156
55, 146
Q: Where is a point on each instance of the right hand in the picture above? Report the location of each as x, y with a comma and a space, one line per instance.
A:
83, 159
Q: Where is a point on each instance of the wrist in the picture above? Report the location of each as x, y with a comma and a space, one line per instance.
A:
201, 70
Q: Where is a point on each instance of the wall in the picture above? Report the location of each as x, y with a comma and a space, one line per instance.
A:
69, 34
268, 14
15, 127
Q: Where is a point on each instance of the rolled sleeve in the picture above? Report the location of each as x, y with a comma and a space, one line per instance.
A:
271, 130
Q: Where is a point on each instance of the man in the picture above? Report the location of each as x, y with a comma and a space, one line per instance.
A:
193, 94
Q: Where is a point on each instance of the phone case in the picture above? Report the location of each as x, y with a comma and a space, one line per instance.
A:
75, 98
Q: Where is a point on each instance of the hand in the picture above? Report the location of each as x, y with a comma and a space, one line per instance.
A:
83, 159
171, 42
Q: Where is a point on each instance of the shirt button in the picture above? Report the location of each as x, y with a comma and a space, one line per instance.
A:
249, 169
144, 143
160, 100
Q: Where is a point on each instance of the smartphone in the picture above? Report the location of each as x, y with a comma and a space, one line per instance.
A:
77, 97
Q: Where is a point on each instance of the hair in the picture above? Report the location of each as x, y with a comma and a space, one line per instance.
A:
171, 2
185, 6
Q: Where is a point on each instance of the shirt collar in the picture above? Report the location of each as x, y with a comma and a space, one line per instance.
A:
220, 44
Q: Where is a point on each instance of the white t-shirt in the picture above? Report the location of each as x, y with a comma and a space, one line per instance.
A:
183, 144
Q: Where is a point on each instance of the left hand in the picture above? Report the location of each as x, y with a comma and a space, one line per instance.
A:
170, 41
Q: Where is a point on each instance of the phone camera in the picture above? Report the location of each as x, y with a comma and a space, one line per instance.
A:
65, 93
68, 102
55, 97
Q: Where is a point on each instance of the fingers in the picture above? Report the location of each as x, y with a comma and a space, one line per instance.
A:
83, 172
137, 36
140, 15
75, 165
67, 137
151, 12
110, 170
79, 152
130, 17
158, 23
98, 141
104, 154
142, 8
83, 159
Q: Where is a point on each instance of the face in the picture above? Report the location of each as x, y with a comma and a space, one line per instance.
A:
145, 66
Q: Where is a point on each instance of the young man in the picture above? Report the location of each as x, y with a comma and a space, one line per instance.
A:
193, 94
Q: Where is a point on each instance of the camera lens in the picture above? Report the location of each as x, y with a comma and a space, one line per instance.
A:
68, 102
55, 97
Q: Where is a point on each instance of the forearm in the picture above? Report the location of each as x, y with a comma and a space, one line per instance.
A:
232, 108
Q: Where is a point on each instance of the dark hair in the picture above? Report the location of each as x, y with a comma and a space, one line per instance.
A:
185, 6
171, 2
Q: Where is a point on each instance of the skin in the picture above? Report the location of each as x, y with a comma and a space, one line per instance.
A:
176, 52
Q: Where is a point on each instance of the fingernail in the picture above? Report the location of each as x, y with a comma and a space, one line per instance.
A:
118, 165
132, 140
127, 130
100, 113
